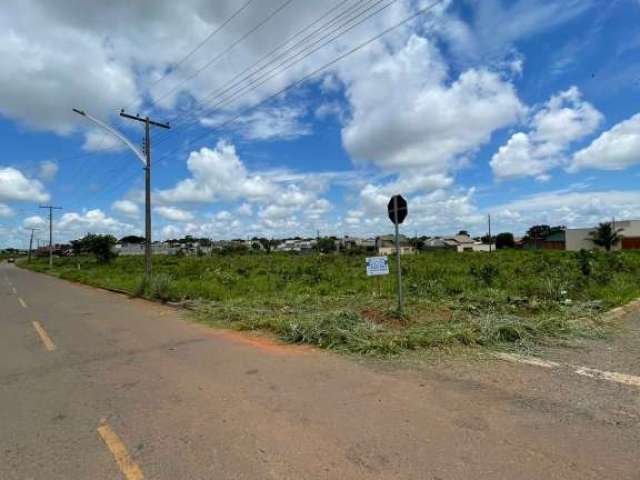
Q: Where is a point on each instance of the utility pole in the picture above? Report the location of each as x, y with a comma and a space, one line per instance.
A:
490, 239
147, 183
31, 242
51, 209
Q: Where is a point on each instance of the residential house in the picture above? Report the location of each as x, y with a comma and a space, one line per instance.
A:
386, 245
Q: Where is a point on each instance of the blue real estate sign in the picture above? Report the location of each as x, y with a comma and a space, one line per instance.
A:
377, 266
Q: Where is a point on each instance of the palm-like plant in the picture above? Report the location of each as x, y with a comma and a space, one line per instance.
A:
605, 235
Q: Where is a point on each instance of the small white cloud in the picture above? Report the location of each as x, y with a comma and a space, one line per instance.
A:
276, 123
47, 170
5, 211
126, 207
174, 214
98, 140
34, 221
245, 210
15, 186
223, 215
616, 149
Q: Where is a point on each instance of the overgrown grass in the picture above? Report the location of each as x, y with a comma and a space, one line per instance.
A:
509, 299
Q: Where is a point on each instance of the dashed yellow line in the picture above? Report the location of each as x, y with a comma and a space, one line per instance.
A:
128, 467
22, 302
623, 378
15, 292
46, 340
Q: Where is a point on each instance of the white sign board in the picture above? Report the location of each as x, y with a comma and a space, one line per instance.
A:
377, 266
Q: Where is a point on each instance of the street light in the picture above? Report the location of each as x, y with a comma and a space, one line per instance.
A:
145, 158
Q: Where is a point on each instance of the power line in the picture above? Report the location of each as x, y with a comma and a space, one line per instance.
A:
223, 52
273, 71
337, 59
231, 83
201, 44
174, 69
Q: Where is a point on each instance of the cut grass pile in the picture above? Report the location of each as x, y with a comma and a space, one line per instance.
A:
509, 299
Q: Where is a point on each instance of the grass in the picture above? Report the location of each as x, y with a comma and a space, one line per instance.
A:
509, 299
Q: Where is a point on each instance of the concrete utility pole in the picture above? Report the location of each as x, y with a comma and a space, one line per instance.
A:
147, 184
490, 240
398, 268
145, 158
51, 209
31, 242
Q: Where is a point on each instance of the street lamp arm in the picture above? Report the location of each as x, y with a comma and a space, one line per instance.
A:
115, 133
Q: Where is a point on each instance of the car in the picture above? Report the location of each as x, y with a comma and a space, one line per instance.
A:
11, 260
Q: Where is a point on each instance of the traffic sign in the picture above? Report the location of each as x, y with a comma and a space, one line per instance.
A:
397, 208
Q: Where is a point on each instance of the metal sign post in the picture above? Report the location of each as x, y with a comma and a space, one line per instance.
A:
397, 208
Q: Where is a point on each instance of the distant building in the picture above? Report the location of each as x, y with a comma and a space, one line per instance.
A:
581, 238
386, 245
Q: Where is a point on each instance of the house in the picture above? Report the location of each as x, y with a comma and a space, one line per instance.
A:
386, 245
464, 243
580, 238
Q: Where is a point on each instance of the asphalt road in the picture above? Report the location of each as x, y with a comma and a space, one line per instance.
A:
105, 387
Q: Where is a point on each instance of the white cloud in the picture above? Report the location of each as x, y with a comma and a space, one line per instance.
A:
223, 215
217, 174
35, 221
275, 123
98, 140
15, 186
47, 170
5, 211
174, 214
126, 207
245, 210
569, 208
561, 121
74, 224
425, 121
616, 149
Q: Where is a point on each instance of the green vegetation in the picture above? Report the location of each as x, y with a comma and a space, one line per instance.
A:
509, 299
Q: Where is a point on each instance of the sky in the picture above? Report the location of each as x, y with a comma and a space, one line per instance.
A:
290, 117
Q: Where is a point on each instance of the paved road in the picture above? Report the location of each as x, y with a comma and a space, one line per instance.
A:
104, 387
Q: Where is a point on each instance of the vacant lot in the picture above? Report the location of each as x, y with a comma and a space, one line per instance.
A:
509, 299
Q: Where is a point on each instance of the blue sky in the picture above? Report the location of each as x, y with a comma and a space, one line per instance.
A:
525, 110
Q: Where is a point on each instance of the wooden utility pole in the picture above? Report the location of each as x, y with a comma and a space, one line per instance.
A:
147, 184
51, 209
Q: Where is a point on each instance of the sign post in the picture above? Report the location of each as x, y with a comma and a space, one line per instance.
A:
397, 208
376, 267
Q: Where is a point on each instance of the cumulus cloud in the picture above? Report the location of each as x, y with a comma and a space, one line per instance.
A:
174, 214
217, 174
616, 149
98, 140
15, 186
426, 120
47, 170
74, 224
564, 119
35, 221
126, 207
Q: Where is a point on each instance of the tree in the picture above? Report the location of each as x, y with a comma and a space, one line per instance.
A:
505, 240
101, 246
488, 240
463, 232
132, 239
605, 235
327, 244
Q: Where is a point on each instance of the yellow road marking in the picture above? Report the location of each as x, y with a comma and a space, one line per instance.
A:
128, 467
536, 362
15, 292
22, 302
46, 340
623, 378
